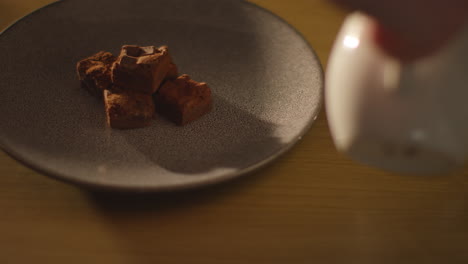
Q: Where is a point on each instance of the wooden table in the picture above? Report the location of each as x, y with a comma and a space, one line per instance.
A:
311, 206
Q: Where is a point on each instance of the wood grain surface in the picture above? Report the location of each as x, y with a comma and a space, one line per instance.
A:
311, 206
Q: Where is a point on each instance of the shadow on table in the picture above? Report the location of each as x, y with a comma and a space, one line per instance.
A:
133, 205
168, 223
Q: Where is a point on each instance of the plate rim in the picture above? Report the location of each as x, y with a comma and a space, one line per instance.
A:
97, 186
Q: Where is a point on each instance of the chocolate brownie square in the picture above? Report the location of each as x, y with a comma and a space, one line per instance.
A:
128, 109
183, 100
172, 73
141, 68
95, 72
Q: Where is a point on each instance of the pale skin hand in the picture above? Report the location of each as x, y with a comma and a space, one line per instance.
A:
410, 29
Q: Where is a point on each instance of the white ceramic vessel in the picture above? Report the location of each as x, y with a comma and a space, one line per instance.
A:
401, 117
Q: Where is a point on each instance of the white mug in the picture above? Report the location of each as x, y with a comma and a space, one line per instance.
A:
401, 117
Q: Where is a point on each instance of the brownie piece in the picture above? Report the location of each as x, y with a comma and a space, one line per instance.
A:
128, 109
95, 72
172, 73
141, 68
183, 100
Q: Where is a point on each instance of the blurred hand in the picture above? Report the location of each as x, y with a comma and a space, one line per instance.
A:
410, 29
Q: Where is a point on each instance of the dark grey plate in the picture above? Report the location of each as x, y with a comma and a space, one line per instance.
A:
267, 84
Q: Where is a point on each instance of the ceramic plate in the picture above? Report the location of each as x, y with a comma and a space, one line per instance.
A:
266, 81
